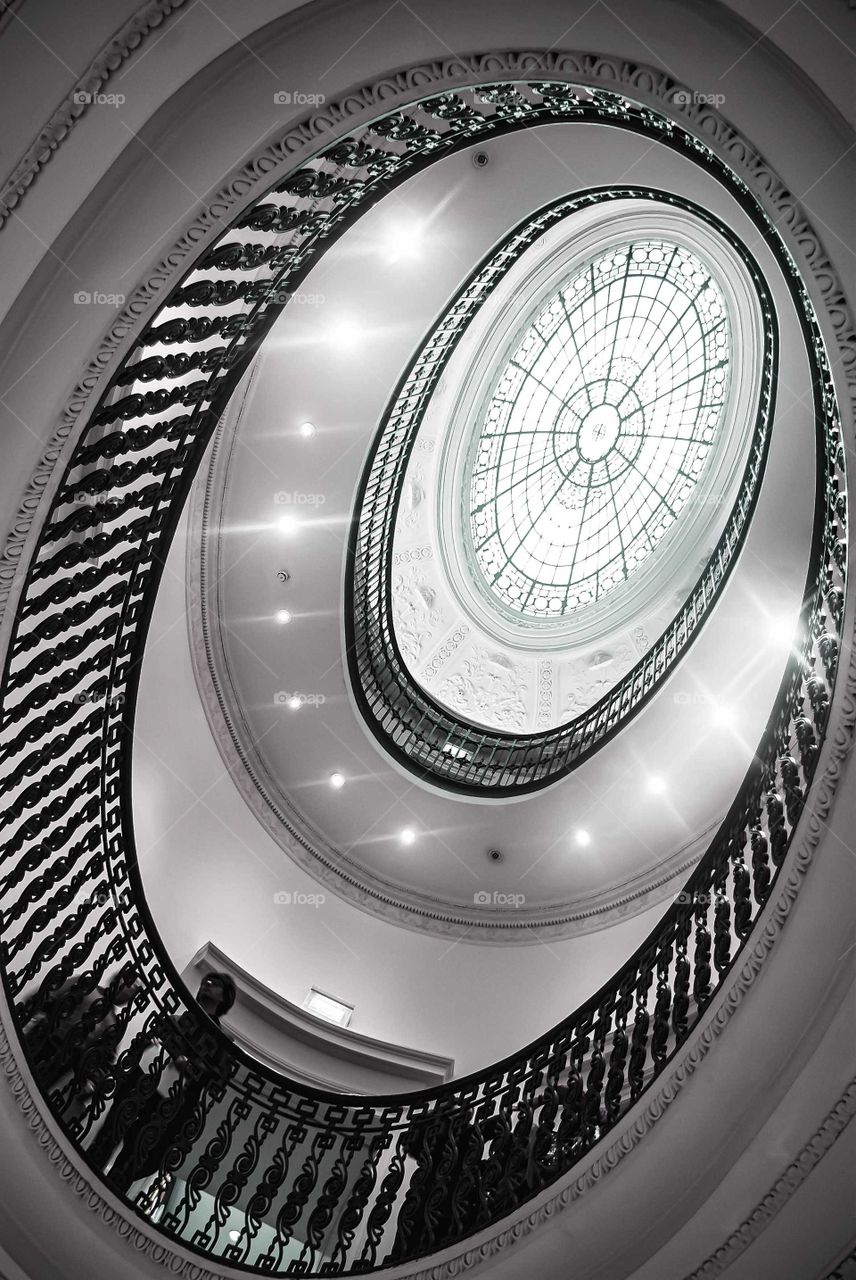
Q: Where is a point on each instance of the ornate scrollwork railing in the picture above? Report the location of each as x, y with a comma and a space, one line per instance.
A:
422, 734
235, 1161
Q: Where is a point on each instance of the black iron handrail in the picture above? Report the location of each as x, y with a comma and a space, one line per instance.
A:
235, 1161
425, 736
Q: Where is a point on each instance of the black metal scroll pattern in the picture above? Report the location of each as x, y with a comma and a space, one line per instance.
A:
230, 1159
423, 735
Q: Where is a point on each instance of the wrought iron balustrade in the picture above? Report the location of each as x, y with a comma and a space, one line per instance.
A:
423, 735
252, 1169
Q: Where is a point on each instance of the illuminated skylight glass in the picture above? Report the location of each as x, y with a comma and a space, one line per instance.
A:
598, 428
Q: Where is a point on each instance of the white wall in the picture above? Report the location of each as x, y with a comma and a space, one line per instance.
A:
211, 873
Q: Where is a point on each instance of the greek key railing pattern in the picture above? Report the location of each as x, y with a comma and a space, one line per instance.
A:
227, 1157
423, 735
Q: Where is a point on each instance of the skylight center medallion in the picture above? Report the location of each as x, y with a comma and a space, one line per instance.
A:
599, 432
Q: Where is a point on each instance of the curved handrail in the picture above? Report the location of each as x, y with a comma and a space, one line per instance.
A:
266, 1174
422, 734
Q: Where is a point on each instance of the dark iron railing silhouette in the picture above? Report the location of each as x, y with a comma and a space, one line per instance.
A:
421, 733
251, 1168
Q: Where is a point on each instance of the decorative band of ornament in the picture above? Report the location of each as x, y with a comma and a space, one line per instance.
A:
418, 731
226, 1157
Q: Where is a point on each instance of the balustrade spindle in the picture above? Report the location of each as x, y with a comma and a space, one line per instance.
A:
662, 1010
701, 952
776, 826
639, 1037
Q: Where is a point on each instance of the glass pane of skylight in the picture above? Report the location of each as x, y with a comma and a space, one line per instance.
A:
598, 428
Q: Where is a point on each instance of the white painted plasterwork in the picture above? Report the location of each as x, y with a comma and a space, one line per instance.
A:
498, 676
465, 670
127, 40
645, 84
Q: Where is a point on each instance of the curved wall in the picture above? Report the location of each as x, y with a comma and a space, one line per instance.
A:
140, 200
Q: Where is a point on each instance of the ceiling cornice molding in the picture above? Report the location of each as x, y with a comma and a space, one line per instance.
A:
647, 85
120, 48
831, 1128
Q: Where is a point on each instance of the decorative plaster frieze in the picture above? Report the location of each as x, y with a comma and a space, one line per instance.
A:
79, 100
832, 1127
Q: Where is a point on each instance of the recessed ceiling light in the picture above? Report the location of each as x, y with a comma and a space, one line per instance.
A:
337, 780
781, 632
283, 616
234, 1235
407, 836
656, 786
295, 702
722, 715
582, 838
307, 429
287, 523
344, 334
403, 239
328, 1007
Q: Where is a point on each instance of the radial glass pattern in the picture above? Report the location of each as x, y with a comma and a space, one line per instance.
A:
598, 428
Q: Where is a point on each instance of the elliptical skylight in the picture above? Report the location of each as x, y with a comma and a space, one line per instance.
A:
598, 428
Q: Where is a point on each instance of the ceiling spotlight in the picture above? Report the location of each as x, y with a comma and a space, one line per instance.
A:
656, 786
337, 781
307, 430
283, 616
582, 839
407, 836
782, 632
288, 523
234, 1235
403, 240
722, 715
295, 702
344, 334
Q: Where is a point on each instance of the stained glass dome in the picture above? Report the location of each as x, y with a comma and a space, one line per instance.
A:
598, 428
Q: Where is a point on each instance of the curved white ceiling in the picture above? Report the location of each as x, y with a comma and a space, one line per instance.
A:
603, 841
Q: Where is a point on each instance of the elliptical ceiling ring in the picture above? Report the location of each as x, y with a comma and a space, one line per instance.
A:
670, 302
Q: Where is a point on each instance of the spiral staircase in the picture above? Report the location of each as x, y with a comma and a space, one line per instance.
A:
674, 1098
